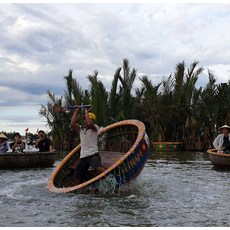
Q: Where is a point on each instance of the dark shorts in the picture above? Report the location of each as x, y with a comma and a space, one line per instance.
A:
93, 161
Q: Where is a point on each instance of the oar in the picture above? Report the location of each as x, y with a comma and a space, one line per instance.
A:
59, 109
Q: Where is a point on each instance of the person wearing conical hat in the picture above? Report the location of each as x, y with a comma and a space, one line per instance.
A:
3, 143
89, 155
222, 141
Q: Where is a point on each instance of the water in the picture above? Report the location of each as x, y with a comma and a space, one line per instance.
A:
174, 189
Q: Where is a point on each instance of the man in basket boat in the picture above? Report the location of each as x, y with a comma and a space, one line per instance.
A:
18, 145
222, 141
43, 143
89, 155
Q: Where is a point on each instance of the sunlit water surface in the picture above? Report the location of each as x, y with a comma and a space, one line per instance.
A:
174, 189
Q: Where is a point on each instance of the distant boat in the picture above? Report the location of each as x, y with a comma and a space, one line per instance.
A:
167, 146
219, 159
28, 159
124, 150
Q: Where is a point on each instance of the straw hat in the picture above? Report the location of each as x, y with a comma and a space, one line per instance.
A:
92, 116
224, 126
3, 136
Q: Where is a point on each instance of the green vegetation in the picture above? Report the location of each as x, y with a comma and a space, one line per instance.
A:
174, 110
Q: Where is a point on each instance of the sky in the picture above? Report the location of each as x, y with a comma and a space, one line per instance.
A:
40, 43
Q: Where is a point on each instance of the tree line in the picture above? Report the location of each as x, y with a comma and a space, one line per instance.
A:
173, 110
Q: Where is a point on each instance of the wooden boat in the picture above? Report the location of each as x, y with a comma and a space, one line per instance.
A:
124, 149
167, 146
219, 159
31, 159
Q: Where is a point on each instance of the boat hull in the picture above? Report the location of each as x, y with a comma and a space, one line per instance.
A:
27, 160
167, 146
133, 150
219, 159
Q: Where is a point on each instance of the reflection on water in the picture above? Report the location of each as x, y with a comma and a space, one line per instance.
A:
174, 189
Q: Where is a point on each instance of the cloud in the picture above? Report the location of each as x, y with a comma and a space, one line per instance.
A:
41, 42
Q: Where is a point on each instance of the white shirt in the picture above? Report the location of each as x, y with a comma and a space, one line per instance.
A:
88, 139
219, 140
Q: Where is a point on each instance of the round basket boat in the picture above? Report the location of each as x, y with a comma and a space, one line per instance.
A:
219, 159
124, 149
31, 159
167, 146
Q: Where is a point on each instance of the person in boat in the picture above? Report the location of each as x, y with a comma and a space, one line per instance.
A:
43, 143
3, 143
222, 141
18, 145
29, 142
89, 155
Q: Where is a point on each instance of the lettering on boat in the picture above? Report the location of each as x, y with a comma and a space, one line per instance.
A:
133, 163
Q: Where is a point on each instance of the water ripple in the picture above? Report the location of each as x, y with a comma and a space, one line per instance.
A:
174, 189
